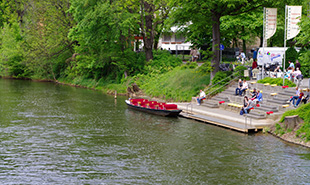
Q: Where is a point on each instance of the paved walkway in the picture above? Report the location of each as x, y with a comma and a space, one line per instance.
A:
223, 114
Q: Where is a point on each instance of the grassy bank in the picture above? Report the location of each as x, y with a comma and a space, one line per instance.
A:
179, 84
303, 131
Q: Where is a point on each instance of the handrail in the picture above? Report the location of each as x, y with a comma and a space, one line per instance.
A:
223, 79
235, 73
246, 121
221, 87
191, 108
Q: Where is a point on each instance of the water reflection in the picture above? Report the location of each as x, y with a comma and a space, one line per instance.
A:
54, 134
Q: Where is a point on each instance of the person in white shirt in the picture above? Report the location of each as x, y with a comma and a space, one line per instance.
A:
245, 86
202, 95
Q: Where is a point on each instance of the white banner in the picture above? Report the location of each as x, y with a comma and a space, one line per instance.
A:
293, 17
271, 22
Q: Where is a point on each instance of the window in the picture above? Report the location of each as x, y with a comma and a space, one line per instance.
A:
179, 38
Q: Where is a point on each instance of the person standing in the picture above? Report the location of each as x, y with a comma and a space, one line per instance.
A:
242, 57
194, 54
201, 96
291, 65
297, 65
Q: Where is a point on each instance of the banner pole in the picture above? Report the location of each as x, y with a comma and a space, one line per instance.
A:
264, 36
285, 18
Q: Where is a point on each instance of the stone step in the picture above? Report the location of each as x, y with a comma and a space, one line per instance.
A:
257, 113
277, 102
269, 107
220, 98
266, 109
255, 117
210, 104
281, 99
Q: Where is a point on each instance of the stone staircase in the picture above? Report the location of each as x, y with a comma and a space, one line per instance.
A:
274, 100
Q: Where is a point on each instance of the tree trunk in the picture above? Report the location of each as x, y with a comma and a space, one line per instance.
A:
148, 38
290, 122
216, 37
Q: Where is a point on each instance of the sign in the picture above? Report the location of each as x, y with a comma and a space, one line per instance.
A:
271, 22
222, 47
293, 17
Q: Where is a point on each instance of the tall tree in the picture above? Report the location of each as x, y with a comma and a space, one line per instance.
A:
211, 11
152, 16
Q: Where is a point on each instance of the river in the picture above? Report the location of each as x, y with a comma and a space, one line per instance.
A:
56, 134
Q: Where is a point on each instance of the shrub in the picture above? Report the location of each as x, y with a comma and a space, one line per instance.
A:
290, 55
162, 62
304, 60
278, 81
205, 68
240, 70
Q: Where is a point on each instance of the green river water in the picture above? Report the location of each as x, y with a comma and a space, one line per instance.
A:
55, 134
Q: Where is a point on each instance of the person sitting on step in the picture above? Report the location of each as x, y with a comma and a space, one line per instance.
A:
259, 97
254, 94
244, 87
201, 96
295, 97
301, 95
306, 97
245, 104
239, 87
249, 106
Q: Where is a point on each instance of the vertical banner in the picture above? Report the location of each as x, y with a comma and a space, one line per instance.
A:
271, 22
293, 17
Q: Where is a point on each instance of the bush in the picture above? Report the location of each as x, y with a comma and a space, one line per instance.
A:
304, 60
162, 62
240, 70
205, 68
221, 75
290, 55
278, 81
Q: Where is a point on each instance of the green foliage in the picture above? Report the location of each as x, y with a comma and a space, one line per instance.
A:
189, 65
178, 84
240, 70
304, 60
291, 54
304, 113
162, 62
278, 81
11, 58
279, 129
205, 68
220, 77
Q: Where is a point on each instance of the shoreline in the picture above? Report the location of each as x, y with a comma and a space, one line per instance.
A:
291, 138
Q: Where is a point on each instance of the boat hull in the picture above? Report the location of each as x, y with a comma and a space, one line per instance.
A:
170, 113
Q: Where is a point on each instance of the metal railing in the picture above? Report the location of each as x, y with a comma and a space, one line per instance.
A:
187, 111
234, 75
246, 121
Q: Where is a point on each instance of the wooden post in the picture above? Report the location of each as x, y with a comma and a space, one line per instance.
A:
115, 94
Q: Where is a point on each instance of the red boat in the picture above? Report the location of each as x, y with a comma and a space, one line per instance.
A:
153, 107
